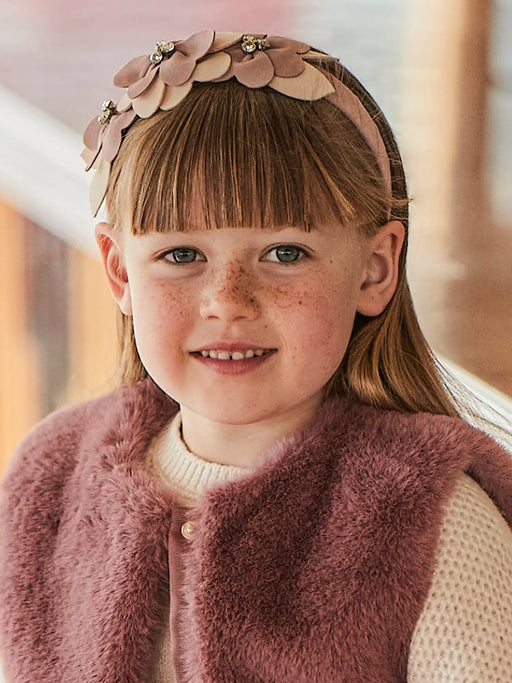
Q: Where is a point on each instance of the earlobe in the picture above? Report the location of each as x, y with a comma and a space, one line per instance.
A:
109, 243
382, 269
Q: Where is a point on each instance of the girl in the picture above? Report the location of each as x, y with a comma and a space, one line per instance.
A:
282, 489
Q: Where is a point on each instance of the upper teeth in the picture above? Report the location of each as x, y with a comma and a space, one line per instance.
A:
234, 355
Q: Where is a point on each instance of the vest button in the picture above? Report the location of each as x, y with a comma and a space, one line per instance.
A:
187, 530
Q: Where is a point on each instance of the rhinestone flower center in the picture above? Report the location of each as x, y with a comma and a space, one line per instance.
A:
108, 109
250, 44
162, 48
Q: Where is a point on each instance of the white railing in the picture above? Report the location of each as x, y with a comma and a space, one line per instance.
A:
41, 172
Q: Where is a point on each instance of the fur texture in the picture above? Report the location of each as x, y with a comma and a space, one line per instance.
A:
313, 566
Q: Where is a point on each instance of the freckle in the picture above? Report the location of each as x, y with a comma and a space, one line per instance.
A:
300, 302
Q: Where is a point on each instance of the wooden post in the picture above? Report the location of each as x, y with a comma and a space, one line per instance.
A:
19, 361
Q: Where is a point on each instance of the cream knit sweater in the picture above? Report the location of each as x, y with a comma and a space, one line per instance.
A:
464, 634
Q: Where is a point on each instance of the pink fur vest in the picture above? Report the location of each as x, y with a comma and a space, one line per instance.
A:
314, 567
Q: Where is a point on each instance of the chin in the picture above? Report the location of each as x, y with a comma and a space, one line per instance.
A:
235, 414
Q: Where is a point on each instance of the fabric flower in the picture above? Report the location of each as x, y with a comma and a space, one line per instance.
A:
280, 63
102, 140
105, 136
257, 59
172, 65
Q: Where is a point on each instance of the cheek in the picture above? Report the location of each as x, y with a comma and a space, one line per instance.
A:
319, 320
159, 314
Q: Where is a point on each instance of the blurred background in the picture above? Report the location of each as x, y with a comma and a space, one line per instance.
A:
442, 72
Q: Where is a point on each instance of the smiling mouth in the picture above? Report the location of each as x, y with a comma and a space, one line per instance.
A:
219, 354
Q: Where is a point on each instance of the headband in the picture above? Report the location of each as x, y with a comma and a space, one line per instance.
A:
163, 79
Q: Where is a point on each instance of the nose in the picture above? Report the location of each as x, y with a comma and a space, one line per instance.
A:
230, 294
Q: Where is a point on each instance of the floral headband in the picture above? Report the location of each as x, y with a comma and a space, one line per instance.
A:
163, 79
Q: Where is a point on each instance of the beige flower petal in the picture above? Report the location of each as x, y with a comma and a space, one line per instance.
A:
146, 105
310, 85
174, 95
289, 44
124, 103
99, 185
313, 54
224, 40
213, 66
88, 155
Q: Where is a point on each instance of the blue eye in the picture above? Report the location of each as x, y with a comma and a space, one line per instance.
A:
181, 255
287, 253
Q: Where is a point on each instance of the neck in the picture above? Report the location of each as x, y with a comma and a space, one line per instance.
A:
241, 445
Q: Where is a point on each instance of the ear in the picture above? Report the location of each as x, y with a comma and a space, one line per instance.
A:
381, 272
110, 244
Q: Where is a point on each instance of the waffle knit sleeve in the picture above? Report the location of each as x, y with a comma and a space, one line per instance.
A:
464, 634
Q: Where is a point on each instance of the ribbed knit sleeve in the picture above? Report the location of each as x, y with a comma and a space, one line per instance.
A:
465, 630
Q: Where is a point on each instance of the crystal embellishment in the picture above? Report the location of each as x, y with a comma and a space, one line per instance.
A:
162, 48
108, 109
250, 44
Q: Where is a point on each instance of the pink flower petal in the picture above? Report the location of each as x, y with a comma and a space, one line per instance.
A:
136, 89
310, 85
286, 63
99, 186
132, 72
114, 133
225, 40
92, 134
198, 44
211, 67
255, 72
94, 153
146, 105
177, 69
174, 95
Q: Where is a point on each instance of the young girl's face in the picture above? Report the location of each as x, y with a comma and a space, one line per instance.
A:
197, 294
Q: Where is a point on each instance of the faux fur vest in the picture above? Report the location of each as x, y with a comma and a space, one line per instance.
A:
313, 566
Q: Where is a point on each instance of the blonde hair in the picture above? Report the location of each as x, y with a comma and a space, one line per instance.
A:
232, 156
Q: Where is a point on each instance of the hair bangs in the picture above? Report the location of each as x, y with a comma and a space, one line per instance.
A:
229, 156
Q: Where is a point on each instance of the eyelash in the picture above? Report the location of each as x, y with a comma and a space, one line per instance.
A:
303, 254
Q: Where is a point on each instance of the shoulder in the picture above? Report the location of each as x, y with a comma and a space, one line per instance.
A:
406, 452
404, 436
465, 629
55, 441
83, 433
43, 463
429, 449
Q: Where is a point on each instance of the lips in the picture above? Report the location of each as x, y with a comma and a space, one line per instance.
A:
237, 359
